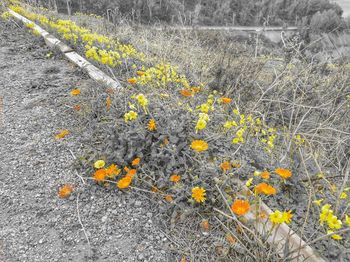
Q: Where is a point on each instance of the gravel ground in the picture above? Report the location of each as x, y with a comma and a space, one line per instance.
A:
36, 225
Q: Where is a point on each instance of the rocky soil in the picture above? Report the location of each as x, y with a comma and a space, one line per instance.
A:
36, 225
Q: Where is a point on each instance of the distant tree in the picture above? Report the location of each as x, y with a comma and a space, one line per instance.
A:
326, 21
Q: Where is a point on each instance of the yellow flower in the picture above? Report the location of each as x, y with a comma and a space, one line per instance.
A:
75, 92
249, 182
201, 124
204, 108
152, 125
199, 145
317, 202
343, 195
230, 124
62, 134
142, 100
198, 194
326, 207
334, 236
347, 220
334, 222
131, 115
277, 217
287, 216
99, 164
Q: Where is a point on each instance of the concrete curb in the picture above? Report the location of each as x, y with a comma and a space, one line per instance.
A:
54, 43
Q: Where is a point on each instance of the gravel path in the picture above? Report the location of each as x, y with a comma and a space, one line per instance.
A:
35, 225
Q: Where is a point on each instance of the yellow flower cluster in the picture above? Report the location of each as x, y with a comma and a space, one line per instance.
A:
103, 49
111, 58
327, 216
245, 123
130, 116
202, 121
209, 105
142, 100
5, 15
279, 217
161, 75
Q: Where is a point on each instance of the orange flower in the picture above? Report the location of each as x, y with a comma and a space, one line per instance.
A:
112, 170
205, 225
236, 164
169, 198
132, 81
199, 145
240, 207
131, 173
108, 102
230, 239
284, 173
136, 161
124, 182
165, 141
225, 166
140, 73
152, 126
61, 134
65, 191
75, 92
100, 175
226, 100
265, 175
175, 178
186, 93
264, 188
77, 107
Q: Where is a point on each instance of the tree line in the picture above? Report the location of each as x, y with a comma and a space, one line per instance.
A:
320, 15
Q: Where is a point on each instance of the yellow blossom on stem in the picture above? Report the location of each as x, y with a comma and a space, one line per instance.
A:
334, 236
75, 92
62, 134
199, 145
198, 194
99, 164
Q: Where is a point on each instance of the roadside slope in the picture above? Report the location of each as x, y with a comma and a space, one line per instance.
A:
35, 225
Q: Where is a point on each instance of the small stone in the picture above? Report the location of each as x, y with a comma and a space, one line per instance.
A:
138, 203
